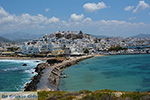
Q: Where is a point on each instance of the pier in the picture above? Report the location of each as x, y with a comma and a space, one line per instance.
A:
48, 76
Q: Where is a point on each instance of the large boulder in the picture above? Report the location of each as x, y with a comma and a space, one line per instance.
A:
53, 61
41, 66
24, 64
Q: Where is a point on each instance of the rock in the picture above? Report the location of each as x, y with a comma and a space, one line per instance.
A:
63, 76
32, 86
55, 74
53, 61
40, 67
118, 94
24, 65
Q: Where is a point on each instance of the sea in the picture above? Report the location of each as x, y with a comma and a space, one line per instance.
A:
14, 76
115, 72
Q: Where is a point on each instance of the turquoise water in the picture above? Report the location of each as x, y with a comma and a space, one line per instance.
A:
13, 75
118, 72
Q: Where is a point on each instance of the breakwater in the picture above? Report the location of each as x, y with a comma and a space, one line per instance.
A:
32, 86
109, 72
49, 73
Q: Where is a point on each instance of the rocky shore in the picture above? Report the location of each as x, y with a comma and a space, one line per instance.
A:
32, 86
49, 73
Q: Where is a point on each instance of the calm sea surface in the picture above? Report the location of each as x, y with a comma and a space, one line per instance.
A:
13, 75
118, 72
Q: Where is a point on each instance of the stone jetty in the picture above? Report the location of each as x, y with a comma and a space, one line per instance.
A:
49, 73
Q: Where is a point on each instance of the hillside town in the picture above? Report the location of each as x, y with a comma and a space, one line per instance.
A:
75, 43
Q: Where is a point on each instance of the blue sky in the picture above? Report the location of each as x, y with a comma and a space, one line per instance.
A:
99, 17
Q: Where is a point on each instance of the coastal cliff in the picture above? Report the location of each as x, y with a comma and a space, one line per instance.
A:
50, 72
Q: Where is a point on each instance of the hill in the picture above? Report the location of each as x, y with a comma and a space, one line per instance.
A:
142, 36
20, 36
72, 35
2, 39
100, 36
93, 95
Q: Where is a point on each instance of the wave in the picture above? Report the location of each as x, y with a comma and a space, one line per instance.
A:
22, 61
26, 70
30, 71
11, 69
16, 65
23, 74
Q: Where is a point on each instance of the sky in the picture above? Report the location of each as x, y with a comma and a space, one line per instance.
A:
97, 17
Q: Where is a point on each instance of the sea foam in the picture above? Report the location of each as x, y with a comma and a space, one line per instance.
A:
13, 75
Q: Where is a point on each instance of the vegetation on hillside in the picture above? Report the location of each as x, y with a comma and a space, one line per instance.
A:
116, 48
86, 50
96, 95
13, 49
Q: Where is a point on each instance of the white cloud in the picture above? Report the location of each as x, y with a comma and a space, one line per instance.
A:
87, 19
108, 27
47, 10
132, 18
141, 6
79, 18
76, 17
26, 18
3, 12
54, 20
129, 8
117, 22
10, 23
91, 7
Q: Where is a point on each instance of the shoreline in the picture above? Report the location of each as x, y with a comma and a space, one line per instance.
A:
52, 72
49, 76
46, 58
25, 58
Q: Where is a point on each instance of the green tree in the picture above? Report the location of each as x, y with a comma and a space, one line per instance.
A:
13, 49
86, 50
116, 48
